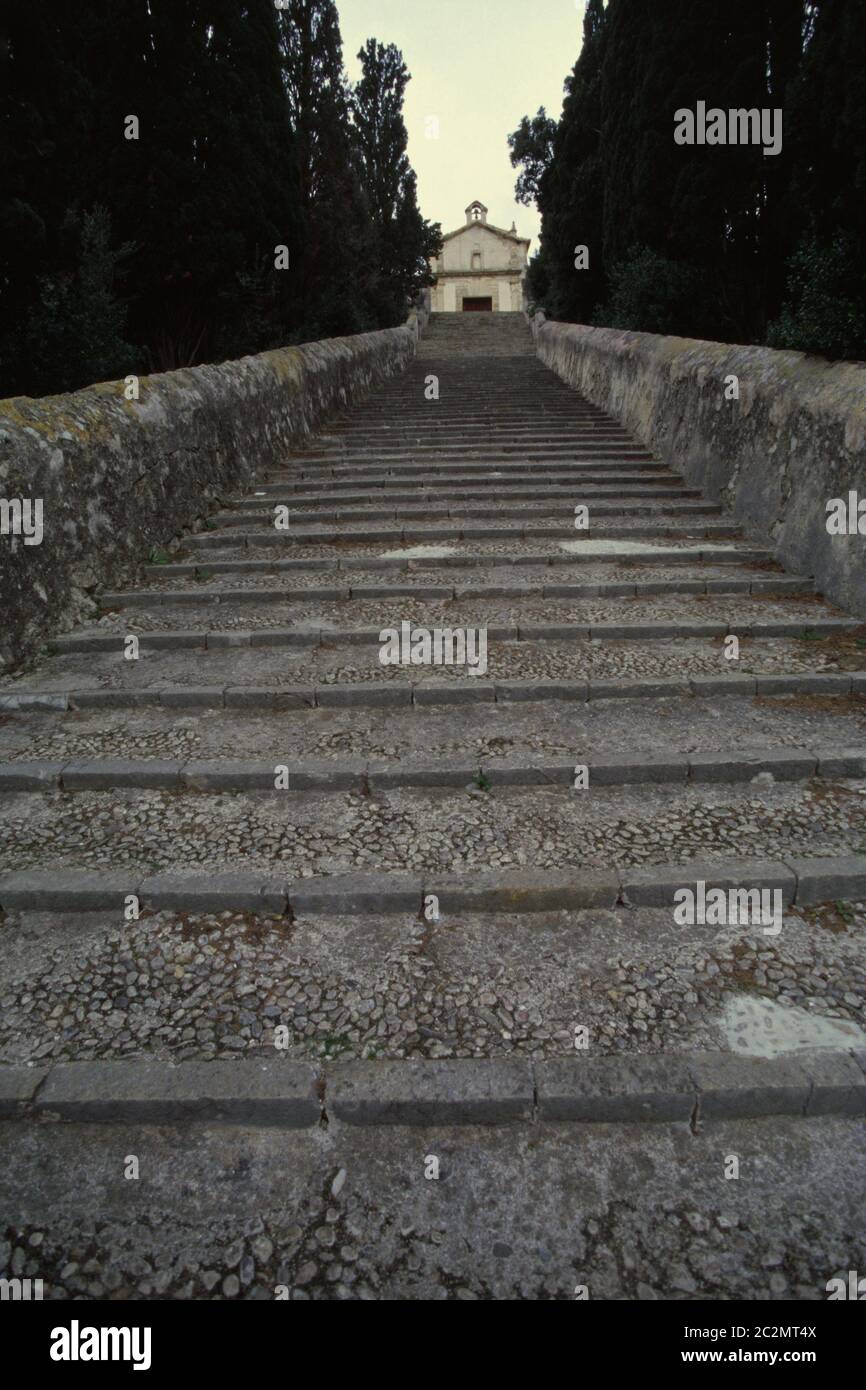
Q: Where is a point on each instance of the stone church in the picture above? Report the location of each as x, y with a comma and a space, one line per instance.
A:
481, 267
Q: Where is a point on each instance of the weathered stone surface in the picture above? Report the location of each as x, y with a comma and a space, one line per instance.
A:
18, 1086
783, 763
238, 892
604, 1089
843, 762
459, 1091
805, 683
144, 1090
825, 880
795, 438
626, 689
734, 684
356, 893
193, 697
113, 699
118, 478
618, 769
518, 690
34, 700
656, 885
515, 890
65, 890
366, 693
838, 1084
29, 777
455, 693
120, 772
443, 773
744, 1087
287, 697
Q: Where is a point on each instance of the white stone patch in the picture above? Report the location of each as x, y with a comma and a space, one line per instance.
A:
420, 552
762, 1028
599, 547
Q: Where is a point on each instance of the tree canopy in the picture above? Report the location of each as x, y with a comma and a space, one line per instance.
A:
717, 241
209, 167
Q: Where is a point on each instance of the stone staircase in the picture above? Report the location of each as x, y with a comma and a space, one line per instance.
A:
429, 863
474, 335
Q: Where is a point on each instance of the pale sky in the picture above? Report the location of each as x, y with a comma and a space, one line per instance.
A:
478, 66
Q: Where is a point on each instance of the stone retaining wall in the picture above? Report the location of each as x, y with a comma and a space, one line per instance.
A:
119, 477
794, 439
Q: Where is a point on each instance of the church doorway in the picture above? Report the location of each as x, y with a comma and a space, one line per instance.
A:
477, 306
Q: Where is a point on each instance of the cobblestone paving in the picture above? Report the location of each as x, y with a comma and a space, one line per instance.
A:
636, 1212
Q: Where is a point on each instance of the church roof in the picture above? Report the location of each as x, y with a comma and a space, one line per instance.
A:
488, 226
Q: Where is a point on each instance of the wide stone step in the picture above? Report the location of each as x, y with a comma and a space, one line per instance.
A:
366, 776
271, 494
506, 612
296, 1095
576, 475
423, 736
601, 507
506, 449
61, 696
655, 527
202, 595
308, 475
471, 556
63, 887
465, 435
528, 979
647, 621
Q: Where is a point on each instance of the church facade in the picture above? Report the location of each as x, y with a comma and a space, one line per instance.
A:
481, 267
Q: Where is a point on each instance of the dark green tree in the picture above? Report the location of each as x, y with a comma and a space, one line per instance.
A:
336, 253
562, 170
403, 240
531, 146
216, 149
824, 308
696, 238
74, 334
206, 191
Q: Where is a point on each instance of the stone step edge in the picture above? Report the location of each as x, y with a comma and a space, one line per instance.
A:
663, 556
658, 508
687, 1089
800, 881
393, 693
573, 446
450, 466
310, 636
785, 586
370, 775
264, 499
234, 538
336, 488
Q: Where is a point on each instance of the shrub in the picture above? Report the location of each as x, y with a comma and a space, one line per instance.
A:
651, 294
74, 334
825, 308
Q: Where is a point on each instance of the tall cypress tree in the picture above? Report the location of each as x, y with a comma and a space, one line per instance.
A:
205, 192
562, 168
215, 148
693, 238
696, 205
336, 249
825, 214
61, 71
403, 241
